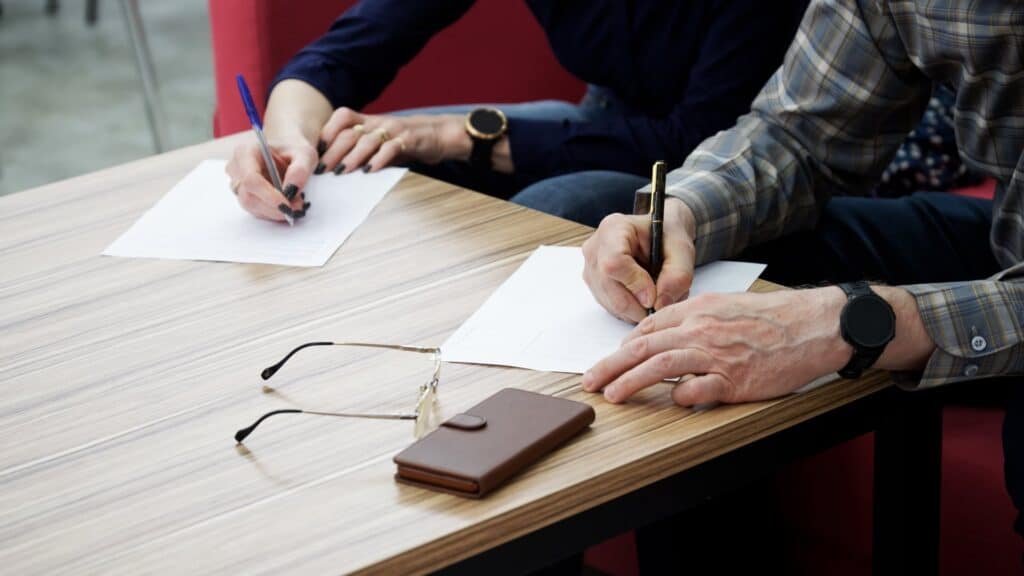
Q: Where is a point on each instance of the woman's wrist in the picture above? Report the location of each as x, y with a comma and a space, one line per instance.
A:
296, 112
456, 143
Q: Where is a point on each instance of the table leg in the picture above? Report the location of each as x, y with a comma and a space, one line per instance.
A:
908, 457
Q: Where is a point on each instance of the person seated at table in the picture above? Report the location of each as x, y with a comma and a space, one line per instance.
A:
663, 76
787, 186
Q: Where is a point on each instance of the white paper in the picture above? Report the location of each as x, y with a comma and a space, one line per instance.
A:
200, 219
545, 318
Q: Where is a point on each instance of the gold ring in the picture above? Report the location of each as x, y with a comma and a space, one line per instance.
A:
401, 143
384, 136
359, 128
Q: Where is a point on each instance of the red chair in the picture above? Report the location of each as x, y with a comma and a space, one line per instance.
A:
500, 42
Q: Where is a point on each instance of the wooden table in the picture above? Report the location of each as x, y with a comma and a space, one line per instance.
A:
123, 380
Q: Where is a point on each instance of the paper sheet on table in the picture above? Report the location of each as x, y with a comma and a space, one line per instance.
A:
200, 219
544, 317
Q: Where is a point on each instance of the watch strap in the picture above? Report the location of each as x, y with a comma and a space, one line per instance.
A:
480, 156
863, 357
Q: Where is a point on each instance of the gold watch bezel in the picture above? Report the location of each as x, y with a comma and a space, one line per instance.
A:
472, 131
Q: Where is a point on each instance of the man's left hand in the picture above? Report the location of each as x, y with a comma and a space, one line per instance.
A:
739, 347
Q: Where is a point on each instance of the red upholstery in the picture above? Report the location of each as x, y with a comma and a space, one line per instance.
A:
256, 38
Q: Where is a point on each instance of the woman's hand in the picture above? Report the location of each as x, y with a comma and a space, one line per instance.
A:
353, 141
296, 160
295, 113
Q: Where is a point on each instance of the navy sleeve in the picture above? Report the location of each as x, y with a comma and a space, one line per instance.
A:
364, 49
743, 46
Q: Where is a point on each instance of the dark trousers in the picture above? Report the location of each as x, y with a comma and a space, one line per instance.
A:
925, 237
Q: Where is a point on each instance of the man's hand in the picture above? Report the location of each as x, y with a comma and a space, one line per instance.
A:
740, 347
616, 256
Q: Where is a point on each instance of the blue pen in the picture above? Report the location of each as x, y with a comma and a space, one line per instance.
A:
257, 127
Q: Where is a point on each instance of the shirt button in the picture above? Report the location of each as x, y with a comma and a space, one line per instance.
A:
978, 343
971, 370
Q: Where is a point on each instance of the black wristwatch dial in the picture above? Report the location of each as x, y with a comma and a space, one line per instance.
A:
868, 324
485, 126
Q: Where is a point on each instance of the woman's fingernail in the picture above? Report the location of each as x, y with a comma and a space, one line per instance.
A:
290, 191
321, 147
285, 209
339, 168
644, 297
366, 169
319, 168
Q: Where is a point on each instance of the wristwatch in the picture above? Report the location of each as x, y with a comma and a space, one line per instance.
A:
868, 324
485, 126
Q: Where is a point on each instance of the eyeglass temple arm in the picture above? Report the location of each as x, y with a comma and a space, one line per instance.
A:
269, 371
245, 432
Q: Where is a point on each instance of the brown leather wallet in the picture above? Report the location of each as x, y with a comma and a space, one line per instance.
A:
472, 453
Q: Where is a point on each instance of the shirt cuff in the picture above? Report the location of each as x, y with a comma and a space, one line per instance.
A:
537, 145
977, 328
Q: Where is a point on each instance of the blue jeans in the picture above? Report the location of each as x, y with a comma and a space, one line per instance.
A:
585, 197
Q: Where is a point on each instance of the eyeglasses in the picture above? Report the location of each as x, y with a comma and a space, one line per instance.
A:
425, 413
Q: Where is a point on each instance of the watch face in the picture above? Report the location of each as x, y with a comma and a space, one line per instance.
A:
486, 121
869, 321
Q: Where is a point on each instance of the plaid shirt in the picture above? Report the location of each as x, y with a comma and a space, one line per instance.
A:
855, 81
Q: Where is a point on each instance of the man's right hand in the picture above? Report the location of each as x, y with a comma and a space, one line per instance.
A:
617, 255
296, 160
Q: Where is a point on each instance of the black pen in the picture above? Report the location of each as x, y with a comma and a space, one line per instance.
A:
657, 218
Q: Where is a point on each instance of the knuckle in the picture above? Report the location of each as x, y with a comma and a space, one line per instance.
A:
612, 221
614, 266
665, 362
638, 347
588, 248
619, 304
646, 325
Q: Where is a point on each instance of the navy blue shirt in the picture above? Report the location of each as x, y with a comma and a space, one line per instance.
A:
685, 70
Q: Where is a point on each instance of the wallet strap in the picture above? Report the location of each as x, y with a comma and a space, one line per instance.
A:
465, 422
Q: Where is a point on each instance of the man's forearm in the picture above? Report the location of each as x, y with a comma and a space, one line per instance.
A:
296, 110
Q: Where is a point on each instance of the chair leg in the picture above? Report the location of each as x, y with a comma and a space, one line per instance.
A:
92, 11
52, 6
147, 74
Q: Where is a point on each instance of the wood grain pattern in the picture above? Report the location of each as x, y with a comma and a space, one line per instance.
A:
122, 381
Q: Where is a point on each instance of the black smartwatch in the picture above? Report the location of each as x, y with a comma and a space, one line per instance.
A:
485, 126
868, 324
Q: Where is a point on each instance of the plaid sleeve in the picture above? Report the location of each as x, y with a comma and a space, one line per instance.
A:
829, 120
978, 328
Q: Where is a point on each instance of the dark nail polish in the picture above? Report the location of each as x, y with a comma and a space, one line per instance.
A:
290, 191
285, 209
339, 168
319, 168
321, 147
366, 169
306, 205
299, 214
